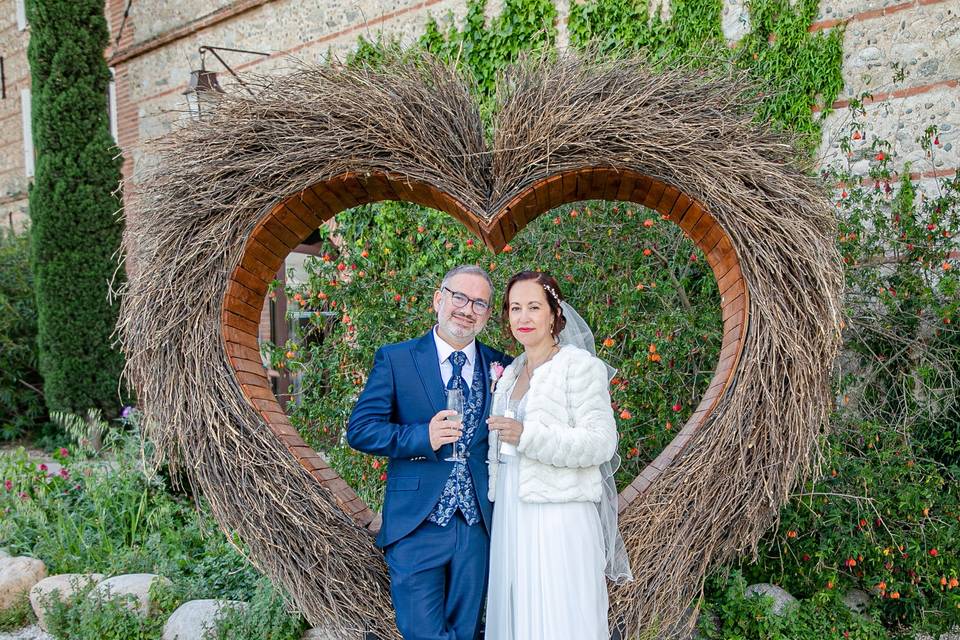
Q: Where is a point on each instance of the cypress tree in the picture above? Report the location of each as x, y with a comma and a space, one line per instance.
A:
74, 203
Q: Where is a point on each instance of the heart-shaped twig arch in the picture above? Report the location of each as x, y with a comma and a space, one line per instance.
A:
234, 194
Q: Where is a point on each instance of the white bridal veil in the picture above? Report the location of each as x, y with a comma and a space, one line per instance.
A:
578, 333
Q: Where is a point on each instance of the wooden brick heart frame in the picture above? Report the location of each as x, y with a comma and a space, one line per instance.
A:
234, 194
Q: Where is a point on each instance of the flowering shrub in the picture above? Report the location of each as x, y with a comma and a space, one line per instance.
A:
884, 518
108, 515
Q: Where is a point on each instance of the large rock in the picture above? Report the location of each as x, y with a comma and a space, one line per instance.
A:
62, 587
192, 620
134, 584
17, 577
782, 600
857, 601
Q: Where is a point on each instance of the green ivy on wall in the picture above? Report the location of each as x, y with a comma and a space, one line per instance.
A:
625, 27
800, 69
795, 68
479, 48
523, 25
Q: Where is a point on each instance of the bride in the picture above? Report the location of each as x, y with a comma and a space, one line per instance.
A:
552, 457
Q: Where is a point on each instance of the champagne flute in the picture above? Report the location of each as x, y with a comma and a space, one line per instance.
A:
497, 409
455, 403
510, 412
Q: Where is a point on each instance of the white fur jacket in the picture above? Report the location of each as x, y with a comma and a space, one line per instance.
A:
568, 428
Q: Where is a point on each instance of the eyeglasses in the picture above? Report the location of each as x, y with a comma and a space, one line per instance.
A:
459, 300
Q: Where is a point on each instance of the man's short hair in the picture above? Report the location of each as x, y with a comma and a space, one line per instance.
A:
470, 269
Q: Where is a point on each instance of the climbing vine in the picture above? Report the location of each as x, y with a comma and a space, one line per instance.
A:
625, 27
796, 69
799, 72
523, 25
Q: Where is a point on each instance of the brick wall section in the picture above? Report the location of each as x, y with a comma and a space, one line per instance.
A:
13, 179
922, 38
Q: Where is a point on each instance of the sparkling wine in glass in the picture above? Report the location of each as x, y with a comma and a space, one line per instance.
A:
455, 403
510, 412
498, 408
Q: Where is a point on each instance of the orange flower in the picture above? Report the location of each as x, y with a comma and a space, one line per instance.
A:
953, 583
626, 415
507, 248
609, 342
894, 595
648, 223
652, 348
574, 213
791, 533
647, 252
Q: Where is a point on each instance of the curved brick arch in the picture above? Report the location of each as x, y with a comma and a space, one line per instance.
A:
292, 220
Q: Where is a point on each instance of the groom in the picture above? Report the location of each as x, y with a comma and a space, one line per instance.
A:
436, 515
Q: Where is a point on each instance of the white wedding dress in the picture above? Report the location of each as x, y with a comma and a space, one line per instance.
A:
546, 565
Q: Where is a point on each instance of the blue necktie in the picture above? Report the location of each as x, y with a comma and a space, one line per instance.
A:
458, 359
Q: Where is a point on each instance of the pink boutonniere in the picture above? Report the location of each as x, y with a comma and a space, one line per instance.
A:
496, 370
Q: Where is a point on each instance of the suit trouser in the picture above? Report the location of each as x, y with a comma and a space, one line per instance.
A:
438, 580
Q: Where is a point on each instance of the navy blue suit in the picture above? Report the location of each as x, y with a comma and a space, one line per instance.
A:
438, 574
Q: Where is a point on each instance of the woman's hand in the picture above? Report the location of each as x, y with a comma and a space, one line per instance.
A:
509, 428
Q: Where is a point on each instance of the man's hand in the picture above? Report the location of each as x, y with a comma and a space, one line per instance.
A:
443, 431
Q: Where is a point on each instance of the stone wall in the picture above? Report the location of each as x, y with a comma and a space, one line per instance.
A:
922, 41
16, 72
157, 48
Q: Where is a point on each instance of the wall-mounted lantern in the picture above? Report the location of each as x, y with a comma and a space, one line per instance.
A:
203, 89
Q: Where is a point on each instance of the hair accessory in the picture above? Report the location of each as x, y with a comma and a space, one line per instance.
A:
551, 291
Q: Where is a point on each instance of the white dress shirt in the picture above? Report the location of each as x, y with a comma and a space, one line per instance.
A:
446, 367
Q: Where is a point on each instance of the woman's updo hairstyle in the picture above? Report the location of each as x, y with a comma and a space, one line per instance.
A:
550, 289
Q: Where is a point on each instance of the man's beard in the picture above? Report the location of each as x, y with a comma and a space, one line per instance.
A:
451, 327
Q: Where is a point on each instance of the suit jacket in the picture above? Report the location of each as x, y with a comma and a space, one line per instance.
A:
392, 418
